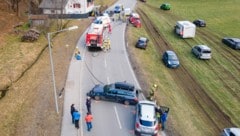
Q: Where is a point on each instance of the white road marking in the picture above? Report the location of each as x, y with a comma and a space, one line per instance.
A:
119, 123
105, 62
108, 80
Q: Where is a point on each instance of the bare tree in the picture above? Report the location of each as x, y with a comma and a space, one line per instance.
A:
14, 4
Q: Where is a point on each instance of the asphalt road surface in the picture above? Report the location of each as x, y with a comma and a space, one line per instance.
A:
99, 67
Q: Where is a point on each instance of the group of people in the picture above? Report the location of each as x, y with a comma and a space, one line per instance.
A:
76, 115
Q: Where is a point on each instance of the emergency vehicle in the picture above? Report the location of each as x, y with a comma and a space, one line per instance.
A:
94, 36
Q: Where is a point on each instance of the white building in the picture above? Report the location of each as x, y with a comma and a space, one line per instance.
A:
65, 7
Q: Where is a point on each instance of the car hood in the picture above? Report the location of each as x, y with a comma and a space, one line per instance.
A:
173, 62
98, 88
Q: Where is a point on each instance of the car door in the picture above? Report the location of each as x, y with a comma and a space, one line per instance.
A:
111, 95
165, 58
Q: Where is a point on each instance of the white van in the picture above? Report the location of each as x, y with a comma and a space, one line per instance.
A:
127, 11
185, 29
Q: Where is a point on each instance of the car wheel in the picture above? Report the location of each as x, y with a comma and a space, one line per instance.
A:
198, 56
97, 98
126, 102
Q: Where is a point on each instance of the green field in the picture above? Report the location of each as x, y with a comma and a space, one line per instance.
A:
219, 77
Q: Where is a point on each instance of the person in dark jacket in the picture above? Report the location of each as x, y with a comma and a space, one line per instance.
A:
71, 111
88, 104
76, 116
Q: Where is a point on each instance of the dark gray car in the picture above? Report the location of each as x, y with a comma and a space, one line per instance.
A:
232, 42
122, 92
142, 43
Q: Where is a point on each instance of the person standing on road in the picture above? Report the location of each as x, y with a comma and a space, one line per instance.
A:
76, 116
109, 28
88, 104
88, 120
71, 111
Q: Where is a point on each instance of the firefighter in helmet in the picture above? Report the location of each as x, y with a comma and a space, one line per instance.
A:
152, 91
108, 44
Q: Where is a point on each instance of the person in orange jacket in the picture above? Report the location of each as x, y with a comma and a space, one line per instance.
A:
88, 120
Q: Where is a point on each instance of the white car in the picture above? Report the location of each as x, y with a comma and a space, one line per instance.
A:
202, 51
146, 120
231, 132
127, 11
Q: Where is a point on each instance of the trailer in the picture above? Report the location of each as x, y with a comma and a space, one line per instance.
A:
94, 36
185, 29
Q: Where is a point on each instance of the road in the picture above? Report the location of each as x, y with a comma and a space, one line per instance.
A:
100, 68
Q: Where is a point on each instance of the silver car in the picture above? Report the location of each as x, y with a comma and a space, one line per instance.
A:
231, 132
202, 52
146, 121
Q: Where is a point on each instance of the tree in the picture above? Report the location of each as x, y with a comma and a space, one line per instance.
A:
14, 4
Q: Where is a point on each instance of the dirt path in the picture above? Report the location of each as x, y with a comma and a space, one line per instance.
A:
192, 88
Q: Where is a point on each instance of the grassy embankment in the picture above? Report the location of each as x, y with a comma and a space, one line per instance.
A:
219, 76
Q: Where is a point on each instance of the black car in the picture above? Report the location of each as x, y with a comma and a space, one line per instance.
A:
142, 42
122, 92
232, 42
199, 23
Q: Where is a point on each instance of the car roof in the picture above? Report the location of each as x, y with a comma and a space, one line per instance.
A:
235, 39
124, 86
235, 131
199, 20
204, 47
136, 15
147, 111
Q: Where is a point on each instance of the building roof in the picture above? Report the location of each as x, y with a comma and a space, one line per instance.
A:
53, 4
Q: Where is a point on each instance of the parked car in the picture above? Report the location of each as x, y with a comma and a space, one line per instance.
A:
202, 51
127, 11
232, 42
146, 120
165, 6
142, 42
134, 19
170, 59
117, 8
200, 23
122, 92
231, 132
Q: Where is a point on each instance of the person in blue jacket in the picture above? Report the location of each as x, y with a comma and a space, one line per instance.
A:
164, 119
76, 117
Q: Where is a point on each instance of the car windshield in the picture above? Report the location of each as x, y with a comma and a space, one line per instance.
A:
117, 7
97, 21
147, 123
141, 41
106, 88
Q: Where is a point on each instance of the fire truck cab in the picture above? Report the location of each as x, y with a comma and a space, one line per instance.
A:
94, 36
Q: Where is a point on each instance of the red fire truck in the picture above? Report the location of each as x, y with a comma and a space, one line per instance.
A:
94, 36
